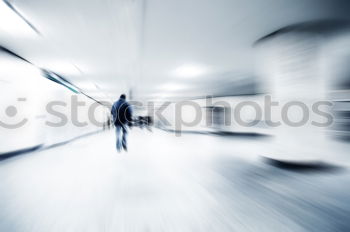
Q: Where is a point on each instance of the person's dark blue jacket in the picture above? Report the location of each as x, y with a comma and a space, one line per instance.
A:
121, 112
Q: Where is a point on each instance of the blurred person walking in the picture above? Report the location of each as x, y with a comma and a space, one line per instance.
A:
122, 118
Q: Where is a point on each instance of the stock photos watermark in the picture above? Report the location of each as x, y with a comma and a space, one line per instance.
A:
208, 112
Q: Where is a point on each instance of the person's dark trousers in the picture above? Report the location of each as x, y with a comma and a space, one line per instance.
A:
121, 133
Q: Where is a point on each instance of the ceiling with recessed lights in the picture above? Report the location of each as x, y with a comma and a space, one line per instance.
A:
152, 48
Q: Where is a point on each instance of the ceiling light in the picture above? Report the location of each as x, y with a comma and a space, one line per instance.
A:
172, 87
189, 71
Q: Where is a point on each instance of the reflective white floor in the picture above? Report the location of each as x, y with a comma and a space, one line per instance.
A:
167, 183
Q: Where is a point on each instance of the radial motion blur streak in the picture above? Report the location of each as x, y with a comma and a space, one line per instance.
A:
237, 115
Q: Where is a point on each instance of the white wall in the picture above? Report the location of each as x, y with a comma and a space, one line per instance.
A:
23, 86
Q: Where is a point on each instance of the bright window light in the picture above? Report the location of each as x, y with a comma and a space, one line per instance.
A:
189, 71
